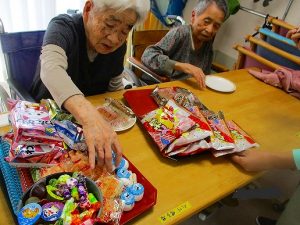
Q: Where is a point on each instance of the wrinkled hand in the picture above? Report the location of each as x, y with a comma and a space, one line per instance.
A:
99, 135
294, 34
253, 160
101, 139
195, 71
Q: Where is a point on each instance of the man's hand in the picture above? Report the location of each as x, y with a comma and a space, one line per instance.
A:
99, 136
195, 71
294, 34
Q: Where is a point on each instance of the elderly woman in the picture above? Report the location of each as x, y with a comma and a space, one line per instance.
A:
83, 55
187, 50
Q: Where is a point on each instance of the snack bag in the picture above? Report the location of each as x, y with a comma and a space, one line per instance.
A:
242, 140
71, 133
167, 123
162, 95
221, 139
55, 112
32, 120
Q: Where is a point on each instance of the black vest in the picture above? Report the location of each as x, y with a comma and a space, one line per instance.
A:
91, 78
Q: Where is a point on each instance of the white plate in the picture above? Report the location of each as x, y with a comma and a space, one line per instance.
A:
219, 84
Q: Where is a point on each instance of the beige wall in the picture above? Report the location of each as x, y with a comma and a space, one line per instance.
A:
239, 25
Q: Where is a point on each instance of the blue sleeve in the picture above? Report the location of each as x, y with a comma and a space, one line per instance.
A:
296, 155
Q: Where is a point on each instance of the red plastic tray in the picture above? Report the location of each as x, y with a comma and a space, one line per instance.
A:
140, 101
141, 206
147, 201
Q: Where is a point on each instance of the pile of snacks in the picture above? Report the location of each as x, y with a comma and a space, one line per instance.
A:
47, 139
183, 126
61, 200
34, 138
120, 190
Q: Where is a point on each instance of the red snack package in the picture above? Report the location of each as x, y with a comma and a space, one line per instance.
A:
242, 140
167, 123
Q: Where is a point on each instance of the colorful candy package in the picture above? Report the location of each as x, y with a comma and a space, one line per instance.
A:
71, 133
242, 140
167, 123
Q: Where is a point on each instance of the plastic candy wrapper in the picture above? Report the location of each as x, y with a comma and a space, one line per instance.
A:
117, 114
71, 133
162, 95
112, 211
167, 123
181, 96
34, 155
55, 112
32, 120
221, 139
110, 186
242, 140
71, 162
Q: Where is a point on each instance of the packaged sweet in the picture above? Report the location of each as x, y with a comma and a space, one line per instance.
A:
29, 214
52, 211
181, 96
71, 133
112, 210
242, 140
185, 141
192, 148
55, 112
33, 119
167, 123
221, 139
137, 190
34, 155
162, 95
127, 200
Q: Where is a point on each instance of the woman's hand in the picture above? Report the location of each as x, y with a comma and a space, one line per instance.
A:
195, 71
99, 135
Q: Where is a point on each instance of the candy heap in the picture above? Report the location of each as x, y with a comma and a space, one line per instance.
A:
183, 126
34, 139
65, 200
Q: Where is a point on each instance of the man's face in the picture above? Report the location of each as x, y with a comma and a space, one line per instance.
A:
107, 30
206, 25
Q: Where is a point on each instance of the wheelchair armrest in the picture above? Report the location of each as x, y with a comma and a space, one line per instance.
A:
219, 67
138, 64
20, 91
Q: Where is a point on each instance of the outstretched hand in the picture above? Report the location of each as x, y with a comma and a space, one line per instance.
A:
100, 138
195, 71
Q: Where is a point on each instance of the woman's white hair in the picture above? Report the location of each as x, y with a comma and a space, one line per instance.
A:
141, 7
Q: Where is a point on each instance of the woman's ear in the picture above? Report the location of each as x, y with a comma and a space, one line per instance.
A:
88, 6
193, 16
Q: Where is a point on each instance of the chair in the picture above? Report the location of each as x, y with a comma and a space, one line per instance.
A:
279, 26
273, 53
278, 41
21, 52
248, 58
140, 40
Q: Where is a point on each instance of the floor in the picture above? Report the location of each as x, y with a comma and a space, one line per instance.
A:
245, 213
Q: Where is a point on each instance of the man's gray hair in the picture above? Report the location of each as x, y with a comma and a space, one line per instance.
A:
141, 7
204, 4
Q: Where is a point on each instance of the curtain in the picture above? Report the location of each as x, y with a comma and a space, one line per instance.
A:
26, 15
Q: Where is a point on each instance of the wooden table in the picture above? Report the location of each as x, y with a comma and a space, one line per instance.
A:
268, 114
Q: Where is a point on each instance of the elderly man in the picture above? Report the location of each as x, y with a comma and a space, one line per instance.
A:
187, 50
83, 55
